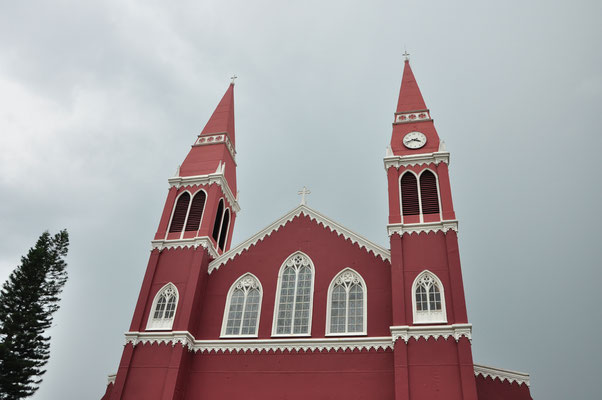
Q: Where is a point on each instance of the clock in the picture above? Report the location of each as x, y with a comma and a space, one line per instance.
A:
414, 140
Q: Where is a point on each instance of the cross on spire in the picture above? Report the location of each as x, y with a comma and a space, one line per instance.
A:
303, 192
233, 77
406, 55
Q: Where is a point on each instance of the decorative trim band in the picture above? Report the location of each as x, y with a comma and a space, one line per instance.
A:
502, 374
425, 227
416, 159
259, 345
435, 331
186, 243
217, 177
415, 116
301, 210
205, 140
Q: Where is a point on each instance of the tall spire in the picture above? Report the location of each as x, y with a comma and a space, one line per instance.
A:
222, 119
410, 98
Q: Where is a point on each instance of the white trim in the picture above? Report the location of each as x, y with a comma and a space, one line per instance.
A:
411, 117
438, 192
430, 317
203, 241
301, 210
259, 345
227, 307
364, 330
111, 379
168, 323
217, 177
502, 374
277, 300
173, 210
409, 171
435, 331
416, 159
221, 227
216, 138
424, 227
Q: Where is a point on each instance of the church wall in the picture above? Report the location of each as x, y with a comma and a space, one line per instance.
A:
495, 389
329, 253
147, 372
292, 376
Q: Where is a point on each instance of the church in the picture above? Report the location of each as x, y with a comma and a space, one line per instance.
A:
306, 308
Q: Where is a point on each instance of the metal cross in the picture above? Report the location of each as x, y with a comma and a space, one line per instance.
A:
303, 192
406, 55
233, 77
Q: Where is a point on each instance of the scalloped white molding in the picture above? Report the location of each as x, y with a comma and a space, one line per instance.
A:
216, 177
456, 331
416, 159
203, 241
301, 210
502, 374
258, 345
111, 378
425, 227
216, 138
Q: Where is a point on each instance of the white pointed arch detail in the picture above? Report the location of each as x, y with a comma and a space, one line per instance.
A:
173, 211
348, 279
428, 299
246, 310
294, 296
163, 309
417, 177
437, 187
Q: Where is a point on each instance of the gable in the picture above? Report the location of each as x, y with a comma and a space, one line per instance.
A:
320, 219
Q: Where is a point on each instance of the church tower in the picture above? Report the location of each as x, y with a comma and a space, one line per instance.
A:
430, 329
195, 227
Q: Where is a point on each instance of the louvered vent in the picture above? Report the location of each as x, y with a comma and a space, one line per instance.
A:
224, 233
409, 194
196, 212
428, 193
179, 214
218, 219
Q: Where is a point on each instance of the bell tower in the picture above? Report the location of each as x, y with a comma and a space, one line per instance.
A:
432, 352
195, 227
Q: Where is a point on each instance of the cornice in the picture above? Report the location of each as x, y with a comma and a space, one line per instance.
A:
416, 159
502, 374
216, 138
259, 345
301, 210
456, 331
185, 243
216, 177
425, 227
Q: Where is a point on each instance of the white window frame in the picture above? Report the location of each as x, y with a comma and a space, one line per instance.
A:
429, 317
173, 210
438, 191
237, 285
352, 272
163, 324
192, 196
409, 171
277, 300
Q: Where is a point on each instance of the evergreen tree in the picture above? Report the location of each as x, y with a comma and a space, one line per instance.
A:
28, 300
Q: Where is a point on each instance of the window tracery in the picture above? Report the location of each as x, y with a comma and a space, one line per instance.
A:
347, 304
164, 307
428, 299
241, 316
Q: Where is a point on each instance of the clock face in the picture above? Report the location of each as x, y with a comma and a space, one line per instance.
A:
414, 140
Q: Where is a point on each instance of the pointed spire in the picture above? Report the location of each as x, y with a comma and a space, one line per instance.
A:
410, 98
222, 119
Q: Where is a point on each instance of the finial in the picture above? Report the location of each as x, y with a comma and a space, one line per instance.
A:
233, 77
406, 55
303, 192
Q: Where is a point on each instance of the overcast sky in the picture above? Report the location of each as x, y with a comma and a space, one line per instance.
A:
100, 102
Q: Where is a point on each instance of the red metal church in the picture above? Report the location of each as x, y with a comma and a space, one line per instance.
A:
306, 308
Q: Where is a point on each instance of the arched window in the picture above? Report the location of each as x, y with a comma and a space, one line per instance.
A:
163, 309
409, 194
224, 231
428, 299
241, 315
429, 196
346, 312
179, 213
196, 211
292, 315
218, 219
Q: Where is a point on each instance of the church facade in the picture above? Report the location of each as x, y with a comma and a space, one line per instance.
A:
306, 308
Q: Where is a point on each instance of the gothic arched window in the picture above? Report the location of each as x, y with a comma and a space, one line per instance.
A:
292, 315
409, 194
224, 231
429, 195
193, 222
428, 299
218, 220
346, 312
243, 304
179, 213
163, 310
